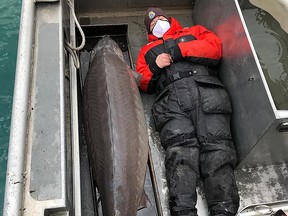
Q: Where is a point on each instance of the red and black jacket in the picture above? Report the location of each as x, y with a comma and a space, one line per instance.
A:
187, 47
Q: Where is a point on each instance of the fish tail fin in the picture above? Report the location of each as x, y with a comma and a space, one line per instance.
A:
144, 201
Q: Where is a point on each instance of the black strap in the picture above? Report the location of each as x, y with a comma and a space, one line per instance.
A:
197, 70
181, 75
213, 138
176, 76
179, 139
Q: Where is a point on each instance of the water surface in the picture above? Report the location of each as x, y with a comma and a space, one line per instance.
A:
9, 26
271, 45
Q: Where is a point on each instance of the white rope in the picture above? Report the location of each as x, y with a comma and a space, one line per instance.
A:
72, 49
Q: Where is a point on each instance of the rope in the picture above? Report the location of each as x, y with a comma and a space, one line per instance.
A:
264, 208
70, 48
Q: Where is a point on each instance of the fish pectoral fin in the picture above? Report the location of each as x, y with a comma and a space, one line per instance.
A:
137, 76
144, 201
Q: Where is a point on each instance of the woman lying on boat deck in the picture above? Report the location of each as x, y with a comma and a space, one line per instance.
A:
191, 113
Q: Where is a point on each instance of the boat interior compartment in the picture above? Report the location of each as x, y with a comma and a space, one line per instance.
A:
48, 171
255, 119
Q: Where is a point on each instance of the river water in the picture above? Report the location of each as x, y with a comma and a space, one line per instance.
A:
271, 45
9, 28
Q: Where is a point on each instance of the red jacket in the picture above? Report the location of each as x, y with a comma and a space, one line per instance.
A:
202, 47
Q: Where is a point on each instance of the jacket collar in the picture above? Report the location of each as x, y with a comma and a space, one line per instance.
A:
174, 27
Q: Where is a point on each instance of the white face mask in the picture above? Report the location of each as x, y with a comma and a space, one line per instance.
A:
160, 28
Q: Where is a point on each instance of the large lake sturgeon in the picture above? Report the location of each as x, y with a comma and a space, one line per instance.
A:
115, 129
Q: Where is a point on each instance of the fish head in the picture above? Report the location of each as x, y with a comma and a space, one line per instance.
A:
107, 45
